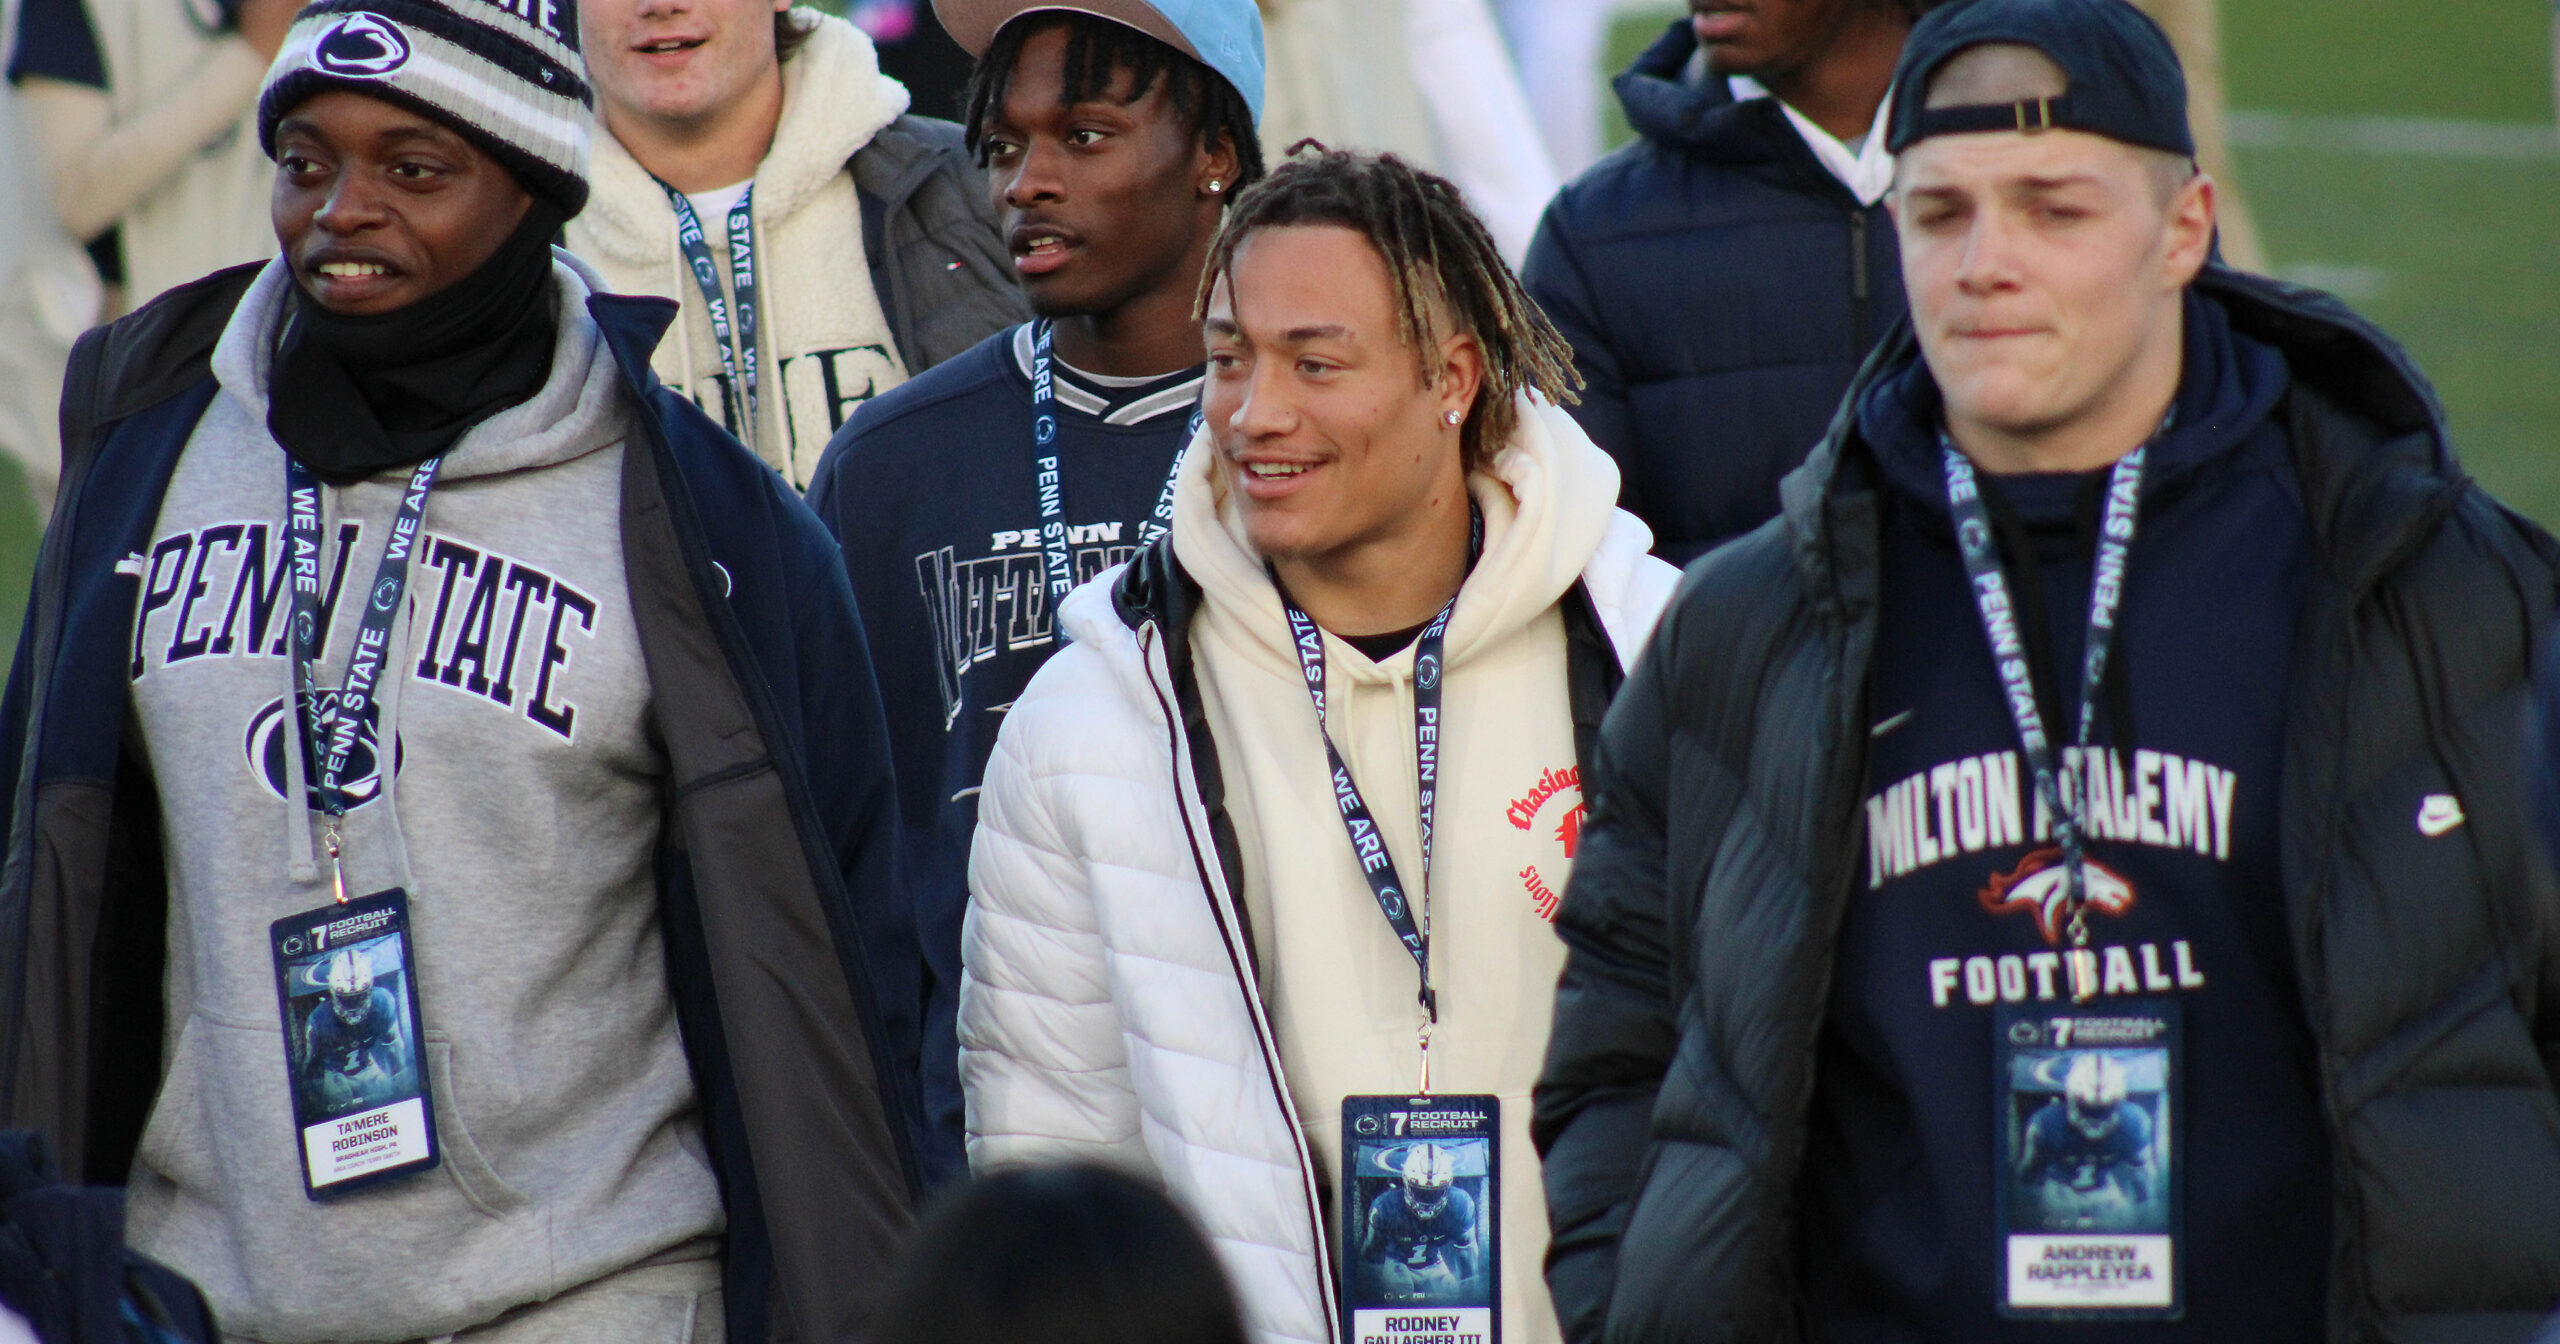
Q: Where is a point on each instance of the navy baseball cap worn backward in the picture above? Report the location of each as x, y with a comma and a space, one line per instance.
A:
1224, 35
504, 74
2121, 77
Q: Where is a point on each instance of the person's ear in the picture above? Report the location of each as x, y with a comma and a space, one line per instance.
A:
1214, 174
1459, 375
2189, 229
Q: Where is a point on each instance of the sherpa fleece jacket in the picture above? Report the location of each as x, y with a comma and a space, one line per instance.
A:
1133, 989
877, 254
788, 955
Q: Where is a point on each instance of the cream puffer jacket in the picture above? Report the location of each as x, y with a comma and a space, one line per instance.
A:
1109, 1006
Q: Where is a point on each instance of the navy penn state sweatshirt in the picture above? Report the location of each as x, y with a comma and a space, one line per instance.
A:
1901, 1171
930, 489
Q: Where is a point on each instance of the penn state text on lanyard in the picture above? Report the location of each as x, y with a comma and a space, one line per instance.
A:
738, 347
1368, 845
334, 743
2017, 683
1050, 484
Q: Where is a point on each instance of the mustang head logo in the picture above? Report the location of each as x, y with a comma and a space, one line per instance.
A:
2041, 886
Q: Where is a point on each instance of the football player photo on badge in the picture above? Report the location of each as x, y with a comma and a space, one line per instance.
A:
1420, 1220
354, 1058
2089, 1198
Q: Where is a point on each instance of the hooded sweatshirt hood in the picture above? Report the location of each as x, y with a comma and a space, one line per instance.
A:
2228, 385
557, 422
824, 341
1549, 501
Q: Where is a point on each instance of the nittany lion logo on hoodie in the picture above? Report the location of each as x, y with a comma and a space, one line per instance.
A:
271, 735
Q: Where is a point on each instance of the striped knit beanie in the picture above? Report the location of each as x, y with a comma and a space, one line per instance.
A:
505, 75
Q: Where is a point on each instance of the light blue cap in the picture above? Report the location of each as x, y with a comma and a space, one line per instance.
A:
1224, 35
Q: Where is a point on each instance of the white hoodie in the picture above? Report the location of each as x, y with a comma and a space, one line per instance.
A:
825, 345
1105, 1010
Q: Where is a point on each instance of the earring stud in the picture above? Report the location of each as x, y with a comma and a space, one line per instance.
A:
1216, 186
1452, 419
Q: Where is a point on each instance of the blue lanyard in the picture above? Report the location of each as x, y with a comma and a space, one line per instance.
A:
738, 349
1368, 844
1050, 483
334, 743
2017, 683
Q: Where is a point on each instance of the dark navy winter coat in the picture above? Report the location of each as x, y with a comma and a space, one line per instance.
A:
791, 955
1719, 286
1726, 838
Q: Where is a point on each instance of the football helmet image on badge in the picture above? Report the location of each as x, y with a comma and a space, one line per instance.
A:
2093, 1091
1428, 1172
2090, 1150
350, 987
354, 1049
1421, 1239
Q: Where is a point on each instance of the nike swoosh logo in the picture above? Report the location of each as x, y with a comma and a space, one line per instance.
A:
1892, 723
2438, 813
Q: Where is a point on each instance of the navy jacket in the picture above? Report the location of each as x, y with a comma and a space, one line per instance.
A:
790, 957
1719, 286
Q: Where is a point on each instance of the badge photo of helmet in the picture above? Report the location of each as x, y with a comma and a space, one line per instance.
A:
2094, 1093
350, 986
1429, 1171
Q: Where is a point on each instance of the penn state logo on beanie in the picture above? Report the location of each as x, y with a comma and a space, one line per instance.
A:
506, 75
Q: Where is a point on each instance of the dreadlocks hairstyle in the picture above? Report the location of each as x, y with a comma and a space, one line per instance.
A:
1449, 276
1098, 49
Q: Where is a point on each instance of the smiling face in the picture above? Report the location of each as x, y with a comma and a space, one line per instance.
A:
1102, 200
2045, 274
378, 207
1764, 37
678, 65
1326, 431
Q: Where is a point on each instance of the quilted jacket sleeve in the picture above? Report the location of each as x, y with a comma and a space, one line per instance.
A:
1043, 1062
1613, 1034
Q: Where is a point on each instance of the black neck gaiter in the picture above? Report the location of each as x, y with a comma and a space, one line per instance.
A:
351, 397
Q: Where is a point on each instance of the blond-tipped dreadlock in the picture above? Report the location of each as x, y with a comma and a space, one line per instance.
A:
1448, 273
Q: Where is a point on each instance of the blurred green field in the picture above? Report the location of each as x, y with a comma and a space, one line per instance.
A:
2456, 252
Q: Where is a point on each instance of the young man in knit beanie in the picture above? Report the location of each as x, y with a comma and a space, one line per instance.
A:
758, 168
423, 715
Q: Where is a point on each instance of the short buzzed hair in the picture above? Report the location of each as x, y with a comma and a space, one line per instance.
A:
2012, 72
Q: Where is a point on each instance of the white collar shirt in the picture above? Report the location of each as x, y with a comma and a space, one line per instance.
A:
1866, 171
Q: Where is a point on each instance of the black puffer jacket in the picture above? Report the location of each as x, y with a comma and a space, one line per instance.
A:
1725, 834
1719, 287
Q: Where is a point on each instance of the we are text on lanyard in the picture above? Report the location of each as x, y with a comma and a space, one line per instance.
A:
1048, 481
2017, 683
333, 743
737, 341
1368, 844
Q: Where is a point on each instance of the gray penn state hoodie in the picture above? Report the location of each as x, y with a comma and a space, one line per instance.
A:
512, 786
